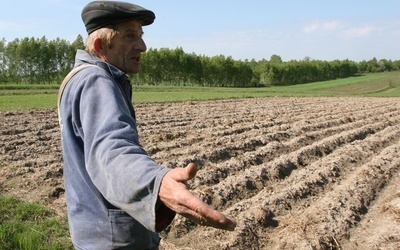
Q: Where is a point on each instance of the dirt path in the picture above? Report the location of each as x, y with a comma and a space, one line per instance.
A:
296, 173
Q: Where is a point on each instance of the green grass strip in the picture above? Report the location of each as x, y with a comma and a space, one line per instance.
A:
30, 226
23, 97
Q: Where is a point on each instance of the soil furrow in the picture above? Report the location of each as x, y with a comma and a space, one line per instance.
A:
345, 208
232, 143
275, 211
255, 178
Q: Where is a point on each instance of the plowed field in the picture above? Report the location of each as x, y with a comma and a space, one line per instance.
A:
296, 173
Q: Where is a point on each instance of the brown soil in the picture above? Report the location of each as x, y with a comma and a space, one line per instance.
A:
296, 173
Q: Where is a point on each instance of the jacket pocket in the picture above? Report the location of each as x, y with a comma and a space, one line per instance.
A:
127, 232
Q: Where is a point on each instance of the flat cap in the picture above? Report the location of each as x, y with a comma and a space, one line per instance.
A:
98, 14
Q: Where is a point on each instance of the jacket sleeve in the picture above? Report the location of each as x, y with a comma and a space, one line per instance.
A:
117, 164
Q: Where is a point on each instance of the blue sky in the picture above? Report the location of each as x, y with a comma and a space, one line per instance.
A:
293, 29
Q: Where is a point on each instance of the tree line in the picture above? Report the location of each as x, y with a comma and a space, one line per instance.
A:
34, 60
43, 61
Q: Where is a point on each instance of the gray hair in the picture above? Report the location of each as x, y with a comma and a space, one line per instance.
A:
106, 34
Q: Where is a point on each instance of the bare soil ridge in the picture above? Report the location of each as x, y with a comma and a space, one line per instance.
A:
296, 173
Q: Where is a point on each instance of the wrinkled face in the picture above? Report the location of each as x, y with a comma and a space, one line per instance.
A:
126, 46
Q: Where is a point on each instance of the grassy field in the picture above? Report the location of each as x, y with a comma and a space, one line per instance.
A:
17, 97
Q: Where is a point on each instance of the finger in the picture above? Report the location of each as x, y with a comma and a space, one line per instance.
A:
213, 218
223, 222
203, 214
228, 224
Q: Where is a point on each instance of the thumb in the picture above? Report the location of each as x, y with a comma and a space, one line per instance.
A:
183, 174
191, 170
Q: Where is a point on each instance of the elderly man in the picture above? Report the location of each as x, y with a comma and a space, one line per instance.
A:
117, 196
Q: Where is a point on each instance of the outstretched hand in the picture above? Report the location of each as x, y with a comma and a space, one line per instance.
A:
175, 195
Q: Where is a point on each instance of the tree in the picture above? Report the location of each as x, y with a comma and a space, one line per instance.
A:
3, 77
275, 59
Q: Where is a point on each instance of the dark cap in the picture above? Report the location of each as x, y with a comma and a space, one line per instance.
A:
98, 14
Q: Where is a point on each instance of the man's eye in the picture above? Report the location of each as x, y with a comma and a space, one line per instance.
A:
133, 36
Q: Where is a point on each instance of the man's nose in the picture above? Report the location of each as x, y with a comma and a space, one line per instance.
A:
141, 45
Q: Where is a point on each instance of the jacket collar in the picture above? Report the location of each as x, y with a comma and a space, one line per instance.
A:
83, 57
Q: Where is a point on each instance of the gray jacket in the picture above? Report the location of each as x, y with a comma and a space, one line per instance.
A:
111, 183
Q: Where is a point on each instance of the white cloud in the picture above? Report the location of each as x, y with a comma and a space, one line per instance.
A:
311, 28
330, 25
347, 30
359, 32
321, 26
6, 25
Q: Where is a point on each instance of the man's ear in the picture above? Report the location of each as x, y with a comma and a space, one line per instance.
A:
99, 48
